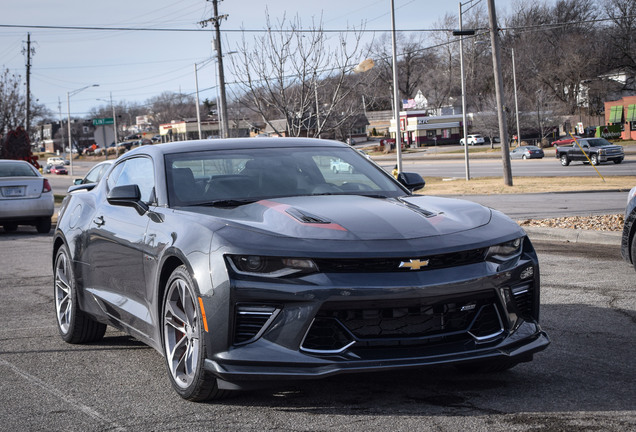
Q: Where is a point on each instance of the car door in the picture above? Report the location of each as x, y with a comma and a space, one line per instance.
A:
578, 154
116, 248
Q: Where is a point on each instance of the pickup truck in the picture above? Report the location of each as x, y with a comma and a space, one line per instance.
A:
597, 149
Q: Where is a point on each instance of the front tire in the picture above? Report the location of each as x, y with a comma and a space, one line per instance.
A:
184, 341
73, 324
594, 159
617, 161
565, 161
634, 251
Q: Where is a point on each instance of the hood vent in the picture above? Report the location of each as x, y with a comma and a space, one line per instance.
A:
416, 208
305, 217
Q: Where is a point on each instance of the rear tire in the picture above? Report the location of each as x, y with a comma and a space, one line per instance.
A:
43, 225
11, 227
565, 161
73, 324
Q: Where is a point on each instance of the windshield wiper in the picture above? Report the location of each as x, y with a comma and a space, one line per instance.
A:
229, 202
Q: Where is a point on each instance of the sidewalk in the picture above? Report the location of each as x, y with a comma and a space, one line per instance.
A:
566, 235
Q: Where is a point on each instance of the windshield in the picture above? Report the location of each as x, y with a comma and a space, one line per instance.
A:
598, 142
16, 170
210, 177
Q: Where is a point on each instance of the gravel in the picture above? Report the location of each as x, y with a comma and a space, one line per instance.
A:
611, 222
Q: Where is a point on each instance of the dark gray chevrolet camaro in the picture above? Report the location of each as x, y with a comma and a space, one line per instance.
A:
247, 261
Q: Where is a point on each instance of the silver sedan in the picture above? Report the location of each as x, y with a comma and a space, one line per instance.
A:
26, 198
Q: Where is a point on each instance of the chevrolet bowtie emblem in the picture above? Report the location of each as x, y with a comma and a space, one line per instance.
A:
414, 264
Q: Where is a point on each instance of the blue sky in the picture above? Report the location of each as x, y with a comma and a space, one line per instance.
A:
137, 65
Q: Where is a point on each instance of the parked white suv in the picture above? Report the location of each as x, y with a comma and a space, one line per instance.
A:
56, 160
473, 140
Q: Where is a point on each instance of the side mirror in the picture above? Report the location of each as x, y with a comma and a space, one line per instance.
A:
127, 196
77, 181
411, 181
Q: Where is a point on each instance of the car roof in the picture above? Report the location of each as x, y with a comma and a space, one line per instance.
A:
233, 143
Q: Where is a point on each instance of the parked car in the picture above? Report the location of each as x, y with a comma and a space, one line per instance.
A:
527, 152
245, 261
47, 168
590, 150
59, 169
628, 243
473, 140
564, 141
26, 198
57, 161
94, 175
338, 165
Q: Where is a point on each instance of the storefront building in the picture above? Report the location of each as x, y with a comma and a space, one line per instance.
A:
419, 129
622, 113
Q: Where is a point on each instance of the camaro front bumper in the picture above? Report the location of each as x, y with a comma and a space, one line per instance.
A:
242, 372
329, 324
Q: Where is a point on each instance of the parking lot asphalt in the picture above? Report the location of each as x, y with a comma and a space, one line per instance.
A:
581, 382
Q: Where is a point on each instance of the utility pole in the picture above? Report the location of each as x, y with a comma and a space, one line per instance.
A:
396, 93
28, 51
514, 80
216, 21
496, 62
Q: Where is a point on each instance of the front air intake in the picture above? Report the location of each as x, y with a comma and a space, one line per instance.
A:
251, 320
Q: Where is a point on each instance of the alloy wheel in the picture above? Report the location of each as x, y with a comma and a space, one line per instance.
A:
181, 333
63, 294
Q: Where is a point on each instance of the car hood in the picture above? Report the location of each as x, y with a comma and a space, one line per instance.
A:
353, 217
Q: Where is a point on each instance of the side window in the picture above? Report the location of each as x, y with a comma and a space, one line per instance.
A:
139, 171
94, 174
114, 175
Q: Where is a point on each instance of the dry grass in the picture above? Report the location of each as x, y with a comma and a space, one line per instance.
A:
491, 185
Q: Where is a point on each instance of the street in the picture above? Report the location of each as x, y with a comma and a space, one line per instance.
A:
583, 380
546, 167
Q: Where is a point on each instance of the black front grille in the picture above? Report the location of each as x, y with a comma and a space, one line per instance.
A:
376, 265
405, 323
524, 299
250, 321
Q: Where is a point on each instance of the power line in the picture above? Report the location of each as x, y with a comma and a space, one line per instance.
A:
318, 30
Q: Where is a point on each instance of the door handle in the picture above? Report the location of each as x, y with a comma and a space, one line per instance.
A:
99, 221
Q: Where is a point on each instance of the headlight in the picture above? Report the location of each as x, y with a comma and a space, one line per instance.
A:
505, 251
274, 267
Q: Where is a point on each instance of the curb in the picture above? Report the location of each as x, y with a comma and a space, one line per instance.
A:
566, 235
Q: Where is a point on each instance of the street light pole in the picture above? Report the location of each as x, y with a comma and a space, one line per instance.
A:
196, 87
68, 107
461, 34
396, 101
112, 107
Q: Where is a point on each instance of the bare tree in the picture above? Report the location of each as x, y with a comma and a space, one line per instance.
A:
170, 106
622, 37
298, 75
12, 102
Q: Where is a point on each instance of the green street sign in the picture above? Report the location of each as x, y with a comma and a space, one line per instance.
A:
103, 121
